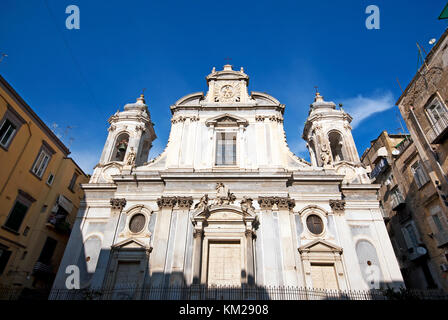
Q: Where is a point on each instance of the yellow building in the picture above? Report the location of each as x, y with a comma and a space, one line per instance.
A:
39, 195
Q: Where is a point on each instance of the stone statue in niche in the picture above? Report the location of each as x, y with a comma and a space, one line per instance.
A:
325, 155
131, 157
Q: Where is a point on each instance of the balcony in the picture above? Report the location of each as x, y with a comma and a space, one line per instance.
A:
42, 268
441, 238
379, 168
438, 130
417, 252
397, 202
402, 146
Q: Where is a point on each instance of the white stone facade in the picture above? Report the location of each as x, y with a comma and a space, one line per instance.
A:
227, 202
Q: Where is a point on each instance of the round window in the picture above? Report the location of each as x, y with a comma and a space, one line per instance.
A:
315, 224
137, 223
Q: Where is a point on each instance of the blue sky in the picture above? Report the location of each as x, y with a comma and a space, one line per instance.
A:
78, 78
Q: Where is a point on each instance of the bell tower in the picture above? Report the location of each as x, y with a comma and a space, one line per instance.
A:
329, 138
130, 137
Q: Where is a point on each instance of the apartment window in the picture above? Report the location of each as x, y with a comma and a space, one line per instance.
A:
50, 179
18, 211
16, 216
4, 257
47, 251
436, 110
7, 131
410, 235
226, 148
420, 176
73, 181
42, 160
9, 126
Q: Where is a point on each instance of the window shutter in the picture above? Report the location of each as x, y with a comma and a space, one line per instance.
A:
432, 224
16, 217
407, 238
4, 257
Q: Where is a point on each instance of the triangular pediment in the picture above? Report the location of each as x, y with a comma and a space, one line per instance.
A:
130, 244
226, 119
320, 245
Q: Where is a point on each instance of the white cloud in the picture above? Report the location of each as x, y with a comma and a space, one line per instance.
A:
360, 107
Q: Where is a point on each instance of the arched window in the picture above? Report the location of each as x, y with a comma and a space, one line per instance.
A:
336, 146
121, 145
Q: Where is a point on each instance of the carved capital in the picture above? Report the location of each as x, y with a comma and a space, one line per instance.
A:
286, 203
164, 202
266, 202
337, 205
259, 118
281, 202
118, 203
249, 234
197, 233
184, 202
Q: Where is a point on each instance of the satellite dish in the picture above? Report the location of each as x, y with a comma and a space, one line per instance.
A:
421, 250
432, 41
395, 152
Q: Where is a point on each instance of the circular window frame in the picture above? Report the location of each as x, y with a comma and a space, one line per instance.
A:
321, 220
144, 224
137, 209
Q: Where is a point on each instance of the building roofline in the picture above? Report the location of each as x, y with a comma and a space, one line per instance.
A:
427, 59
34, 116
77, 166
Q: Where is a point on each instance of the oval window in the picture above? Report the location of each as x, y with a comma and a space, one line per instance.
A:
315, 224
137, 223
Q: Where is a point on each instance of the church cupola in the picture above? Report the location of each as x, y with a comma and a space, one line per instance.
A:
328, 134
131, 134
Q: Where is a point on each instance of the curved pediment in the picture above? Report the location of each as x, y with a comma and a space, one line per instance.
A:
226, 120
192, 99
264, 98
222, 212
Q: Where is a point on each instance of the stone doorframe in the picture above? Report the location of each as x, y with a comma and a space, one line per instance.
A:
130, 250
322, 252
240, 227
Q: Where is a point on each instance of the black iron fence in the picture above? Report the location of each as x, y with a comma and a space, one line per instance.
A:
218, 293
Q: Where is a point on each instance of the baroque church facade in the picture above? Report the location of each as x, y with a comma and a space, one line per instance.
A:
227, 203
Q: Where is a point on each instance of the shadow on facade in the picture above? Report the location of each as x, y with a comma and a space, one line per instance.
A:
408, 229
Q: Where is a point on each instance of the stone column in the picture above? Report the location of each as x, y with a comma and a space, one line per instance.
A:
180, 241
285, 206
161, 234
198, 234
250, 257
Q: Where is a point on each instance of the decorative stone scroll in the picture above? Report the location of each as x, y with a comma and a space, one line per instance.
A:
337, 205
182, 202
246, 206
118, 203
281, 202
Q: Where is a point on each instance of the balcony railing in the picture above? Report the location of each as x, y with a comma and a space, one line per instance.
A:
404, 144
397, 202
379, 168
438, 130
41, 267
